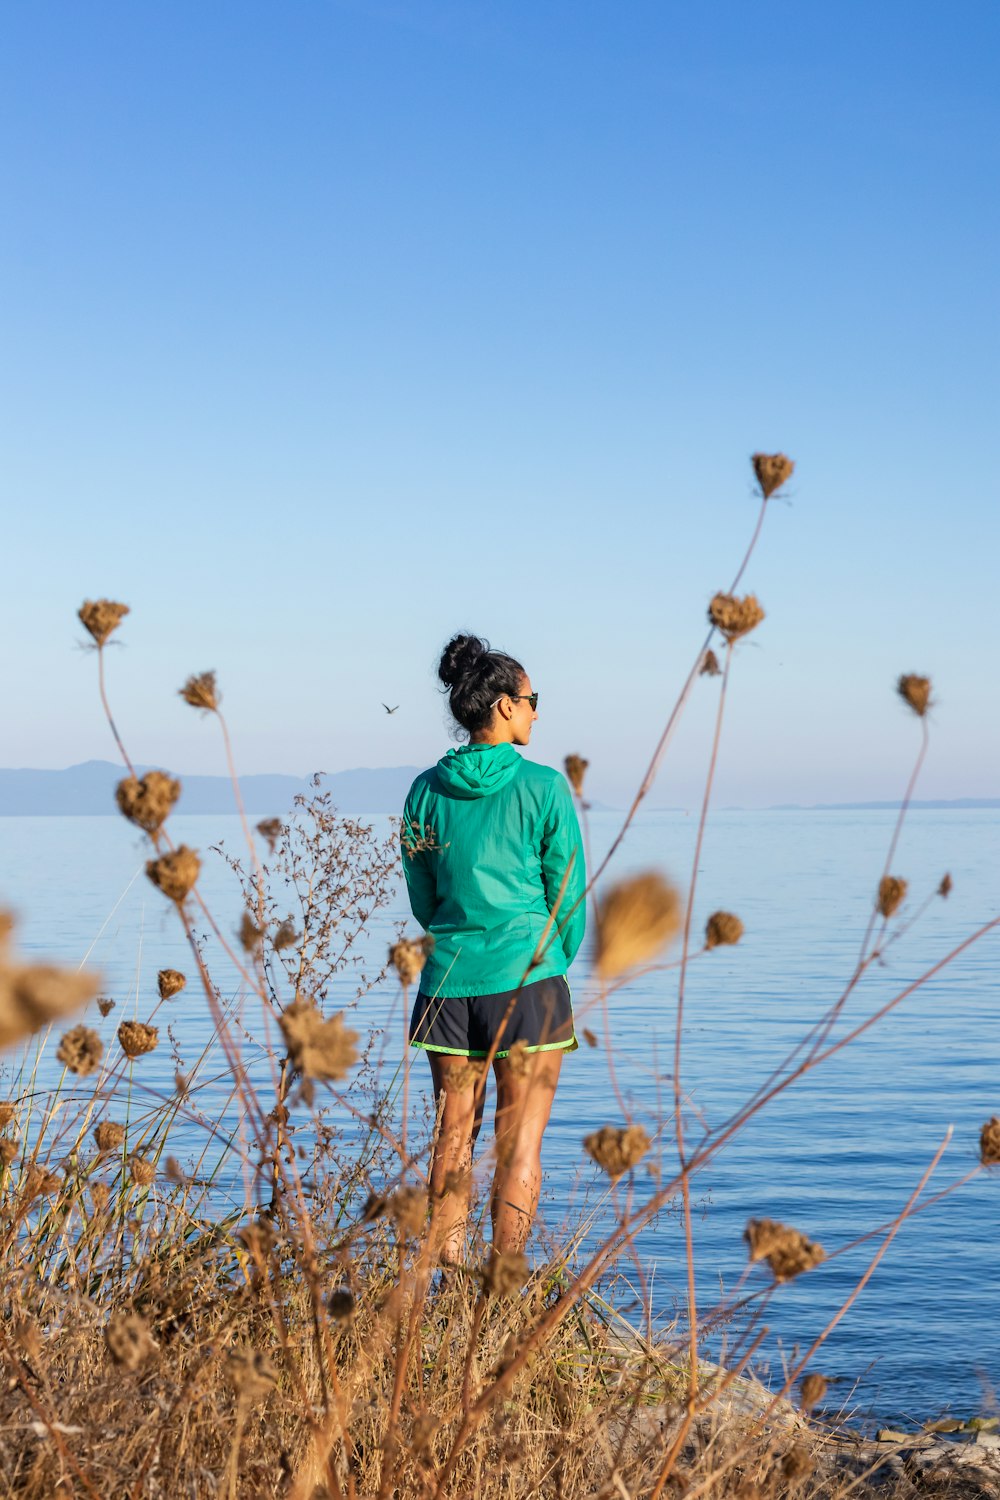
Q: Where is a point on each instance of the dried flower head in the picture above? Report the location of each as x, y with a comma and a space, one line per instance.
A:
989, 1143
408, 957
137, 1038
505, 1273
258, 1237
129, 1340
946, 886
28, 1336
722, 928
148, 800
519, 1059
408, 1210
181, 1085
787, 1251
80, 1050
170, 982
422, 1434
797, 1464
617, 1149
101, 617
285, 935
466, 1075
709, 665
174, 1172
105, 1005
891, 894
7, 1112
8, 1151
735, 617
99, 1195
200, 691
319, 1047
576, 770
175, 873
814, 1388
916, 691
39, 1182
142, 1170
340, 1305
270, 829
374, 1207
636, 919
250, 935
589, 1037
109, 1135
771, 469
251, 1373
34, 995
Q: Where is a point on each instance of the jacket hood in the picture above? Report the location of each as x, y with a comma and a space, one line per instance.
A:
478, 770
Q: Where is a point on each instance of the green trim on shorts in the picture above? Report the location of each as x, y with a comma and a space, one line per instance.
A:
569, 1046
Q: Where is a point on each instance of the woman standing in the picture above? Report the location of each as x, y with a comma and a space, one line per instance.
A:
495, 872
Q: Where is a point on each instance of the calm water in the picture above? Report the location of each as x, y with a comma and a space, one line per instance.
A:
836, 1155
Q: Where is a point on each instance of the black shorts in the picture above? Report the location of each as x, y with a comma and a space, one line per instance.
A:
465, 1025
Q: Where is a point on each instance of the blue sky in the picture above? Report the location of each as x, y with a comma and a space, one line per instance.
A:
334, 327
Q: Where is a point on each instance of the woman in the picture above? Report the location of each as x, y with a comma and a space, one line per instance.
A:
495, 872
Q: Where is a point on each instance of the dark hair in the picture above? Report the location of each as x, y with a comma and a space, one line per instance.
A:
477, 677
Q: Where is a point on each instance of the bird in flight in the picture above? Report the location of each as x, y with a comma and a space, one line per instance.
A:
388, 709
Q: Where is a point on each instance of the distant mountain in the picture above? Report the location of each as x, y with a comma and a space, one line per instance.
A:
90, 789
956, 804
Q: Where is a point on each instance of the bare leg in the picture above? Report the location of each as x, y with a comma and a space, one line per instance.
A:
523, 1108
452, 1160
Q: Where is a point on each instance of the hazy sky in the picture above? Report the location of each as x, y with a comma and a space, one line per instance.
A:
331, 327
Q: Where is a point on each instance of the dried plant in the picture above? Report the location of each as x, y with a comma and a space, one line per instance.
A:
105, 1005
637, 918
175, 873
576, 770
101, 617
989, 1143
734, 617
722, 928
787, 1251
270, 829
320, 1047
251, 1373
141, 1170
709, 665
813, 1390
617, 1148
147, 800
109, 1135
8, 1111
915, 691
137, 1038
250, 935
408, 1210
891, 894
129, 1340
201, 692
80, 1050
945, 888
505, 1273
170, 982
409, 956
34, 995
772, 470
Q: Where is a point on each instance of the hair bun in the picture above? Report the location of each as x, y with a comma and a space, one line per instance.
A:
459, 658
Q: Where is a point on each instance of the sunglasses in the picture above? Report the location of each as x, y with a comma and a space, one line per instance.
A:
531, 698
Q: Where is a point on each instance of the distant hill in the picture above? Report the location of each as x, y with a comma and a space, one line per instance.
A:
89, 788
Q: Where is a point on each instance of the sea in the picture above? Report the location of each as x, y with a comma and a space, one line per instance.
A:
837, 1153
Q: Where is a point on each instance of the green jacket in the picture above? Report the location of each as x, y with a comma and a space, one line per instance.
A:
488, 839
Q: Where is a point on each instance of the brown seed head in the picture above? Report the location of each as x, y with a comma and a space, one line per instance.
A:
148, 801
989, 1143
200, 691
137, 1038
109, 1135
319, 1047
28, 1336
180, 1084
142, 1171
771, 469
33, 995
374, 1207
251, 1373
916, 691
891, 894
175, 873
105, 1005
408, 1210
636, 919
285, 935
422, 1434
270, 829
80, 1050
945, 888
129, 1340
101, 617
39, 1182
340, 1305
99, 1195
7, 1112
408, 957
617, 1149
250, 935
174, 1172
813, 1390
505, 1273
170, 982
786, 1250
735, 617
466, 1075
721, 928
576, 770
520, 1060
709, 665
8, 1151
589, 1037
797, 1464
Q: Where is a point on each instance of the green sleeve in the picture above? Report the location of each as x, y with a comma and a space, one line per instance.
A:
418, 873
562, 852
